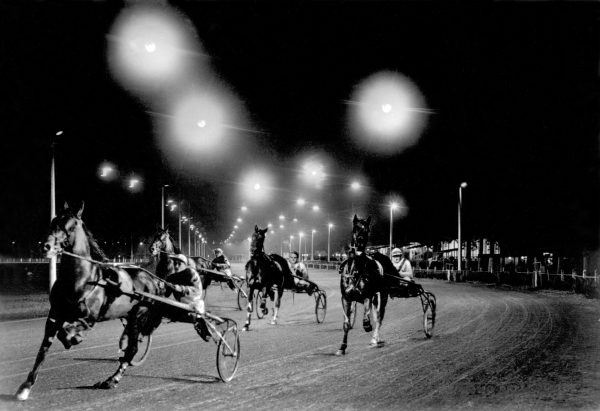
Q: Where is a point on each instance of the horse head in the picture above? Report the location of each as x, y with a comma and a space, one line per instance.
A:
360, 232
69, 233
257, 240
162, 242
65, 231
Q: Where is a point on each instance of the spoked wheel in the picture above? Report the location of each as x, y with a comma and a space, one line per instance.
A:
429, 305
144, 343
242, 299
352, 314
320, 306
228, 350
260, 311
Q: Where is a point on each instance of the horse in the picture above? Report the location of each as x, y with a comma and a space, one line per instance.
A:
204, 268
364, 283
88, 291
163, 246
266, 273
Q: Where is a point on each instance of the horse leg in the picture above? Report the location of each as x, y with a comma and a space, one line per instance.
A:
376, 303
278, 295
133, 330
263, 301
346, 307
249, 310
50, 330
368, 327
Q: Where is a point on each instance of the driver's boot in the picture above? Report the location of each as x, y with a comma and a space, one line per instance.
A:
202, 329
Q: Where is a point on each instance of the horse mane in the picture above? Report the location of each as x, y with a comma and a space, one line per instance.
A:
95, 250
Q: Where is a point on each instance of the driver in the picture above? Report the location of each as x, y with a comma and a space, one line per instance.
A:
221, 263
186, 287
299, 270
402, 264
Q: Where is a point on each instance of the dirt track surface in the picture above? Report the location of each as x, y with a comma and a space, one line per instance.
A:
492, 349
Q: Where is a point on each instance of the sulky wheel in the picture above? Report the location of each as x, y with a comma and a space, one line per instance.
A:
320, 306
242, 299
429, 306
260, 311
352, 314
228, 351
144, 343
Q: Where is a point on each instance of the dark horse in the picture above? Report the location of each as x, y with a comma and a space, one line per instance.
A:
88, 291
268, 273
363, 282
162, 247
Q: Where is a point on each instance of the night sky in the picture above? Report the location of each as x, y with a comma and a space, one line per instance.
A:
513, 89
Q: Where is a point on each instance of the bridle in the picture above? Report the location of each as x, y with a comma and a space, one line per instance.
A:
359, 237
257, 242
65, 243
163, 243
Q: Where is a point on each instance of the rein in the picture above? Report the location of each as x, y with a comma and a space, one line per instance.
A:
100, 263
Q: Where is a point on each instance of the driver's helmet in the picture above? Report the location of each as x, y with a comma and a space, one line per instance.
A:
180, 257
396, 252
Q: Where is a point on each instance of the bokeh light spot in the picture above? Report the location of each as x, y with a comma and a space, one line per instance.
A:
387, 113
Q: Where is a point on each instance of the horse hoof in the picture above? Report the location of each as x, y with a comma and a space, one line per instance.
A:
339, 353
367, 326
76, 339
105, 385
246, 328
22, 394
273, 322
376, 344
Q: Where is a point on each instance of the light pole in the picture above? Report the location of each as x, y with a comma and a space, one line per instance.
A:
162, 206
193, 234
131, 247
189, 239
462, 185
52, 268
300, 235
312, 244
329, 240
393, 206
179, 225
291, 243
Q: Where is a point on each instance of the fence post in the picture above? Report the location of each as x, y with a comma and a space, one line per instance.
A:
534, 279
448, 275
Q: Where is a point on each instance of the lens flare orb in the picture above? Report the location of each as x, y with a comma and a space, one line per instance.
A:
387, 113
